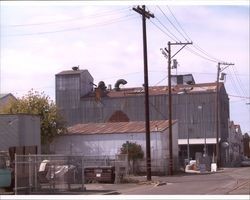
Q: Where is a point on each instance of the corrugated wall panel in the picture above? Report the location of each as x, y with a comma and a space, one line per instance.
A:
8, 132
195, 112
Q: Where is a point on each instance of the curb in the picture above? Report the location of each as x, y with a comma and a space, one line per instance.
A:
160, 184
112, 193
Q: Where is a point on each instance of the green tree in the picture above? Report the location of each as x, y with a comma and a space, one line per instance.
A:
134, 152
52, 123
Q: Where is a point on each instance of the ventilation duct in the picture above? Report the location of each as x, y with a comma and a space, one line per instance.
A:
118, 83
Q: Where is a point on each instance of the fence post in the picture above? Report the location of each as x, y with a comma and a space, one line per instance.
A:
15, 174
29, 167
35, 172
83, 175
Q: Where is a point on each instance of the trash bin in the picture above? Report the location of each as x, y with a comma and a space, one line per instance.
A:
213, 167
105, 174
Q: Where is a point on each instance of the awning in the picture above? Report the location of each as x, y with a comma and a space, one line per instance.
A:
197, 141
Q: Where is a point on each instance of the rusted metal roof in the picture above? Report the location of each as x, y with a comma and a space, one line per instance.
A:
118, 127
161, 90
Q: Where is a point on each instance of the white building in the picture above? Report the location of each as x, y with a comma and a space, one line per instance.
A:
94, 139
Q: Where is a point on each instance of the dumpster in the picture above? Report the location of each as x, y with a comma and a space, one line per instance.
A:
104, 174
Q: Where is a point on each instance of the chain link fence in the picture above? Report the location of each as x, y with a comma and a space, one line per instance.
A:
37, 174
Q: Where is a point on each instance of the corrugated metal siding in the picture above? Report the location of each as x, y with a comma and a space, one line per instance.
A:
185, 109
19, 130
110, 144
70, 86
29, 131
8, 132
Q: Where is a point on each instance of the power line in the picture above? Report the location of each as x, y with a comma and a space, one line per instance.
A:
102, 14
242, 97
201, 56
124, 18
207, 55
241, 85
178, 23
171, 23
162, 30
174, 38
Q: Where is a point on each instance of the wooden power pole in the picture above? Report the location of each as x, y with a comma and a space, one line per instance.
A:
145, 14
169, 57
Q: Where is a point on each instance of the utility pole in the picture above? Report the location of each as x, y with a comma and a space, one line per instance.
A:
169, 57
145, 14
219, 70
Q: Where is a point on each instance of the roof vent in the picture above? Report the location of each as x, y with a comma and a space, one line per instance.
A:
102, 86
75, 68
118, 83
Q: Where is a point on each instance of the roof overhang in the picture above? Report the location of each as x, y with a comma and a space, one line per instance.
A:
197, 141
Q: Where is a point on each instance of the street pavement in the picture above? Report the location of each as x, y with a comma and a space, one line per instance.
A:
227, 181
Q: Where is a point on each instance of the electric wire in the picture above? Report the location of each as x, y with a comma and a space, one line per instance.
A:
100, 14
172, 23
176, 39
242, 86
237, 85
178, 23
233, 84
199, 49
196, 46
161, 29
117, 20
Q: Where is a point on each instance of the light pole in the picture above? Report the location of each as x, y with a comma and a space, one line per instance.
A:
185, 92
201, 107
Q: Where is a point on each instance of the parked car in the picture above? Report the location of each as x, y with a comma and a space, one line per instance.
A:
245, 162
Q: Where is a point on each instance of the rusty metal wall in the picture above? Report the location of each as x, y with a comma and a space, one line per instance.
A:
195, 111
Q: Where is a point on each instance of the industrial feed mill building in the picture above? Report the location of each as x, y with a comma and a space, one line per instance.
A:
193, 106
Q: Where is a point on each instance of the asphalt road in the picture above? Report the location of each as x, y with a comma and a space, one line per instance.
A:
229, 181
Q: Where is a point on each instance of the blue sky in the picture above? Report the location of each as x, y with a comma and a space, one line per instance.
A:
39, 40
